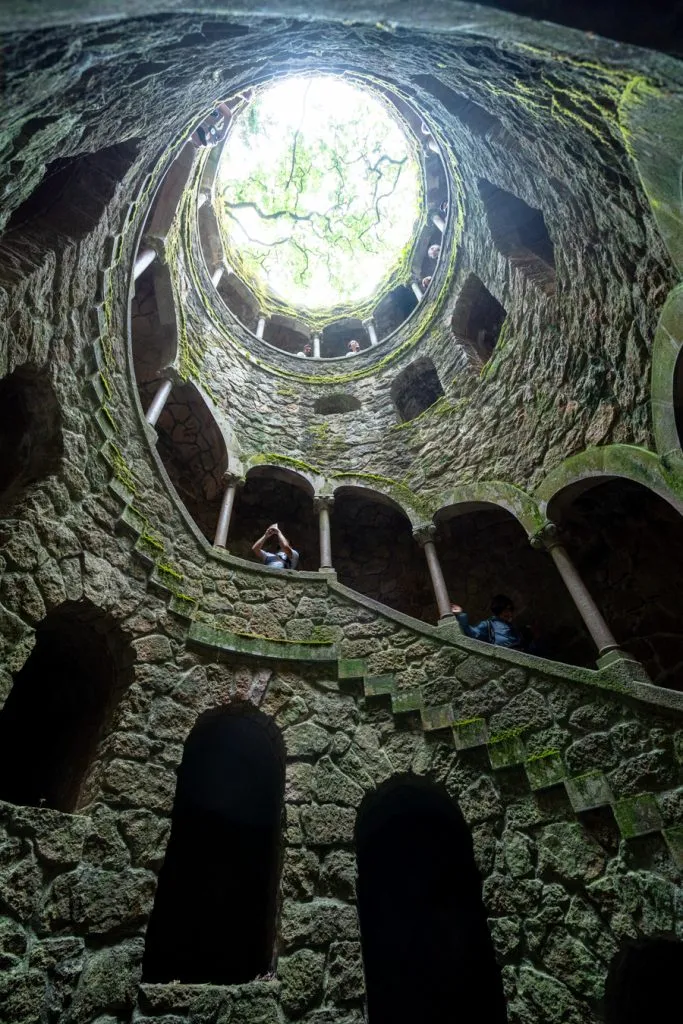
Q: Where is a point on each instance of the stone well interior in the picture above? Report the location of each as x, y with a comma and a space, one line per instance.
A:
238, 794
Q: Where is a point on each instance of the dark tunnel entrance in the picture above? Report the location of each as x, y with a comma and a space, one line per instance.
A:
644, 983
214, 914
427, 951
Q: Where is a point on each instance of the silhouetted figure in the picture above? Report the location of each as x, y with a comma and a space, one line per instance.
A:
353, 347
306, 352
285, 558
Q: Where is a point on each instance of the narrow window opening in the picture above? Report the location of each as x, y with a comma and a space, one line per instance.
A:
336, 337
412, 840
394, 309
520, 234
332, 404
214, 914
477, 319
30, 432
416, 388
58, 708
643, 984
286, 334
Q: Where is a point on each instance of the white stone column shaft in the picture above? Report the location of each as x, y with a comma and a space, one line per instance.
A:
144, 259
158, 402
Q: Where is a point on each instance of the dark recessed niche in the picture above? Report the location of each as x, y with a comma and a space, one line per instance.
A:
336, 337
75, 191
331, 404
477, 319
30, 432
643, 983
478, 120
59, 707
416, 389
520, 234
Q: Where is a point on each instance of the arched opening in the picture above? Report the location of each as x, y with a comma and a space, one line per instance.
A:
59, 707
193, 452
30, 432
285, 333
416, 388
627, 544
170, 191
427, 951
644, 982
678, 395
214, 914
478, 120
331, 405
238, 299
477, 319
153, 323
275, 495
375, 553
519, 233
485, 551
336, 337
394, 308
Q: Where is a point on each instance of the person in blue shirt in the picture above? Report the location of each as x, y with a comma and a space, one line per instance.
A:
498, 629
285, 558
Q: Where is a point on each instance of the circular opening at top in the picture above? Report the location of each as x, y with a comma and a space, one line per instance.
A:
319, 191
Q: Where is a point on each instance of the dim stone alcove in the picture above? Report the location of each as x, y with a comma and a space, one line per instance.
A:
60, 708
193, 452
214, 914
154, 336
477, 319
627, 545
416, 388
520, 234
31, 444
275, 494
336, 337
422, 919
393, 309
375, 553
644, 980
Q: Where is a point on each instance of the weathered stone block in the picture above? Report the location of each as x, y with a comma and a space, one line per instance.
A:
108, 982
637, 816
565, 849
506, 750
469, 732
301, 975
331, 785
153, 648
317, 923
140, 785
586, 792
328, 824
345, 978
437, 717
545, 769
306, 740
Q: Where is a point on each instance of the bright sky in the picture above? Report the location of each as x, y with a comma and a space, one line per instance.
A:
342, 131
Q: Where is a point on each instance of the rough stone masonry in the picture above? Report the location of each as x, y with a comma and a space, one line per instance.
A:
122, 626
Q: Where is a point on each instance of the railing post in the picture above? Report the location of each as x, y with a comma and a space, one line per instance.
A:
260, 326
424, 535
323, 505
231, 482
158, 402
439, 222
547, 539
369, 325
217, 275
316, 346
144, 259
417, 291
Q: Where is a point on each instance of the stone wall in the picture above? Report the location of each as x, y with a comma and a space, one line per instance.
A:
568, 779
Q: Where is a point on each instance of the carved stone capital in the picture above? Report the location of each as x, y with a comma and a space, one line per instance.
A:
424, 534
230, 477
546, 538
323, 501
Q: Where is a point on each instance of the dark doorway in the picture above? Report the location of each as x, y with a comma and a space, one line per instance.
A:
30, 432
627, 545
58, 708
644, 983
416, 388
477, 319
394, 308
275, 495
214, 915
520, 234
427, 950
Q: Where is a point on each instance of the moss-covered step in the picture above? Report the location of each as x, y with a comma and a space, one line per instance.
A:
201, 635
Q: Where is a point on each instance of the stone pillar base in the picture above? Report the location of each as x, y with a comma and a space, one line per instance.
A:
621, 666
329, 570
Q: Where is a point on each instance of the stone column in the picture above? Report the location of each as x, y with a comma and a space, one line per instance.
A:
144, 259
548, 539
230, 482
432, 146
201, 199
417, 291
369, 325
324, 504
424, 535
217, 275
316, 346
158, 402
439, 222
260, 326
